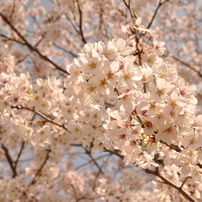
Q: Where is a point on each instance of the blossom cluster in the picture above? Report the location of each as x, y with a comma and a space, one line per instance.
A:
119, 95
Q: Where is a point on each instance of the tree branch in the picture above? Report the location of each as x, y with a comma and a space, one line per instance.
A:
42, 116
188, 65
166, 181
26, 43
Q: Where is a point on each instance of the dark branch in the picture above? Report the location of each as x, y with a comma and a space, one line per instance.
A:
10, 161
172, 146
81, 22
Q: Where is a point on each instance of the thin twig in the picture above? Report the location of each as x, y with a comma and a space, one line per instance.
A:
65, 50
94, 161
90, 161
27, 55
188, 65
72, 24
184, 182
34, 180
128, 5
13, 10
10, 39
19, 154
155, 12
